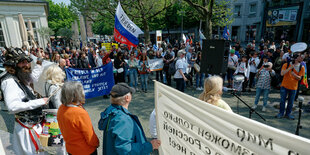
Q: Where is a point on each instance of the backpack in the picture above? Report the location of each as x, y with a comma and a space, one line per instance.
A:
172, 69
3, 76
50, 104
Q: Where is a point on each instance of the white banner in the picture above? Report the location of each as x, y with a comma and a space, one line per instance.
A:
189, 126
156, 64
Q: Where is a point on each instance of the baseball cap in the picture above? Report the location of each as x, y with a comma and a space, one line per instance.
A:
232, 51
121, 89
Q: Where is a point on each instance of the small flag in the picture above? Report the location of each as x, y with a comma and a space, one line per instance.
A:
304, 80
184, 38
226, 33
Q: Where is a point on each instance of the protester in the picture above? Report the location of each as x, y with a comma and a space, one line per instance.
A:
181, 66
143, 67
83, 61
167, 60
200, 76
244, 70
253, 62
21, 101
264, 84
74, 58
123, 133
212, 92
159, 73
232, 66
291, 73
119, 64
55, 77
74, 121
133, 66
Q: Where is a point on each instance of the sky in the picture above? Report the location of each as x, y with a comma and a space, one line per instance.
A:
59, 1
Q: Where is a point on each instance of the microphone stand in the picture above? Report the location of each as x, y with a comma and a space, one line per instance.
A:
300, 99
251, 110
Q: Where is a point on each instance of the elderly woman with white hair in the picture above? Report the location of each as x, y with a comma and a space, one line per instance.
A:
55, 79
74, 121
263, 84
212, 92
180, 66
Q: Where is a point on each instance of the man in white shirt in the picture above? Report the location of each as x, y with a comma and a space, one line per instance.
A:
253, 62
232, 66
21, 101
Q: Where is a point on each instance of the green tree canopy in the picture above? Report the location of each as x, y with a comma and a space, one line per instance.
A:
60, 16
141, 12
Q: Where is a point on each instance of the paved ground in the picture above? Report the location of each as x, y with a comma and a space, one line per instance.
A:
143, 104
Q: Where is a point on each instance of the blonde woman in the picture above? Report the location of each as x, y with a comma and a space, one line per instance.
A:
54, 81
213, 91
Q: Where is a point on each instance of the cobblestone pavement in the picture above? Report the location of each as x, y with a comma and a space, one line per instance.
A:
143, 104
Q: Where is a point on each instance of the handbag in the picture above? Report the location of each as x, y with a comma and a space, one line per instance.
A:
120, 70
232, 67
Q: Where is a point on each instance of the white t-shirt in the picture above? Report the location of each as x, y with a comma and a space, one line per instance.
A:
232, 60
253, 68
180, 64
153, 124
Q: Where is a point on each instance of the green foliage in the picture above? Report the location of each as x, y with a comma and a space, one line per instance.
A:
103, 26
46, 32
65, 33
222, 13
60, 16
144, 13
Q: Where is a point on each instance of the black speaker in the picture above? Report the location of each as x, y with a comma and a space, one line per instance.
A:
215, 56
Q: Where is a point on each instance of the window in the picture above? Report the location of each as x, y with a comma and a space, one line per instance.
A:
2, 42
34, 32
253, 8
237, 10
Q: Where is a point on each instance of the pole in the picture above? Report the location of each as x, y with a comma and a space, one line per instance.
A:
251, 110
300, 99
182, 26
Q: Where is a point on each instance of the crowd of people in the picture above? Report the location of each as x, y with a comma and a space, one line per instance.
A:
265, 66
262, 66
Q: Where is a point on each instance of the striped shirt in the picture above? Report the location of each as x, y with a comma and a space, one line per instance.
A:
264, 79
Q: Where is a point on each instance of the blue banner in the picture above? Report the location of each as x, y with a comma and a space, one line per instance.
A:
96, 82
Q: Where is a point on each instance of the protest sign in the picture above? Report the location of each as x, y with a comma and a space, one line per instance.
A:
108, 46
156, 64
96, 82
189, 126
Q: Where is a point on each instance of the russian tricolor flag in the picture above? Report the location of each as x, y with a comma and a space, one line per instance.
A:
125, 31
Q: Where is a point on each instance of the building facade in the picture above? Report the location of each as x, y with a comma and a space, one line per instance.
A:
34, 10
247, 16
286, 20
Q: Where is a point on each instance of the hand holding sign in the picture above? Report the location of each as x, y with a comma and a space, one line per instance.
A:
155, 143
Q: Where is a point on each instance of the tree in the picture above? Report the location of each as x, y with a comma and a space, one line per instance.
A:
140, 11
60, 16
211, 11
66, 34
46, 32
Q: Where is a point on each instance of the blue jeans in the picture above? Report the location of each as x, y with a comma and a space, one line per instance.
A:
265, 92
199, 79
144, 78
133, 77
291, 96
